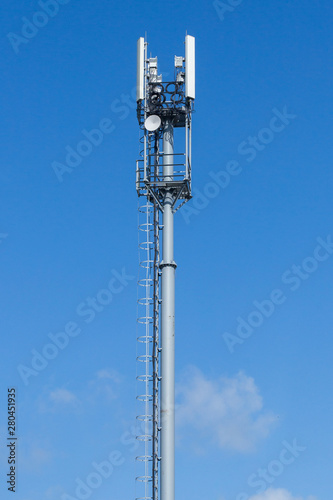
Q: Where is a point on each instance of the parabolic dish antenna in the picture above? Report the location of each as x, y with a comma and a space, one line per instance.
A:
152, 123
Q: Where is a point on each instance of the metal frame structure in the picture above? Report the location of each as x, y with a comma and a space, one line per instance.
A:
163, 179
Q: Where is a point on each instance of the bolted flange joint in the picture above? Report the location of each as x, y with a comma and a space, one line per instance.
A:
168, 264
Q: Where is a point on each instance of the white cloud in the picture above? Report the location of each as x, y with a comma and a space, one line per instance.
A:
63, 396
40, 456
54, 492
105, 384
103, 388
58, 400
35, 456
109, 374
226, 411
278, 494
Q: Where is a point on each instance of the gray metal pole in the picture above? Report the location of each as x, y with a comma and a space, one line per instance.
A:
168, 267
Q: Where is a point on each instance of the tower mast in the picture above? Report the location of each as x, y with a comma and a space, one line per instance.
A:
163, 179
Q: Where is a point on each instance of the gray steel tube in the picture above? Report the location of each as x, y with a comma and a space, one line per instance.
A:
168, 266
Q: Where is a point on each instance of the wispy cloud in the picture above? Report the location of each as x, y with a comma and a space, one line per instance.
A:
102, 388
35, 456
105, 383
58, 399
54, 492
63, 396
278, 494
227, 411
109, 374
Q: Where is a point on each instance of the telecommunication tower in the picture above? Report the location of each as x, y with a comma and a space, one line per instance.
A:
163, 183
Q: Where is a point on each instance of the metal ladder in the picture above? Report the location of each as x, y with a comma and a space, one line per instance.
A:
148, 349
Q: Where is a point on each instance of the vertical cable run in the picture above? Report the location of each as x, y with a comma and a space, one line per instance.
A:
148, 338
155, 451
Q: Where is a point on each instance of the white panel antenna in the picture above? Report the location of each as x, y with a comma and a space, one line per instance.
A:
190, 66
140, 69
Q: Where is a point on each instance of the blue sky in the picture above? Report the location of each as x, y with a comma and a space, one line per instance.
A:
253, 247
